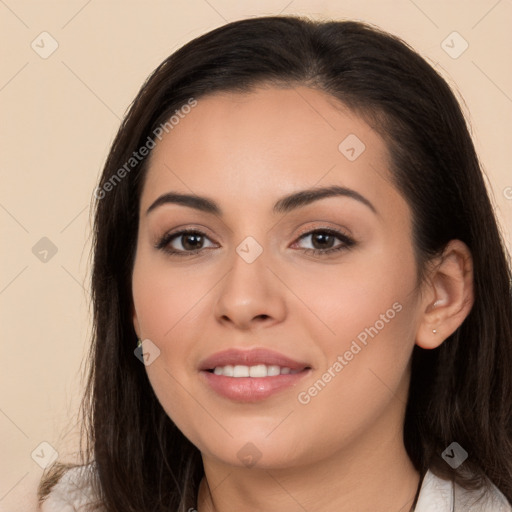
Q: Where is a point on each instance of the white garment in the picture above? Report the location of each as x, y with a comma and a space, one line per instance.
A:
73, 492
439, 495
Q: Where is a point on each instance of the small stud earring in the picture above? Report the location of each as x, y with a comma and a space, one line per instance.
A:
139, 342
434, 331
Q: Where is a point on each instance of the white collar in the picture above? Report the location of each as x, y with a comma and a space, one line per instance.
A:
440, 495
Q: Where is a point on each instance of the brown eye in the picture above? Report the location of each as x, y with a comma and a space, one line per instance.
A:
323, 241
183, 242
191, 241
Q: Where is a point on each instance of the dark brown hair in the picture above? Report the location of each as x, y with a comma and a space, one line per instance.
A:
461, 391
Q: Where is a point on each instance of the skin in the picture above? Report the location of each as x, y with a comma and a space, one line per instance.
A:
342, 451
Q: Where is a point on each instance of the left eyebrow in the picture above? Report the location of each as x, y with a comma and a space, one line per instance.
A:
304, 197
283, 205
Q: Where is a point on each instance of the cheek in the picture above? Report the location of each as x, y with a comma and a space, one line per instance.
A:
347, 298
166, 302
364, 376
167, 298
367, 310
170, 307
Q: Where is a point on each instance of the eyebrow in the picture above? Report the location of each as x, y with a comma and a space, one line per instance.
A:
283, 205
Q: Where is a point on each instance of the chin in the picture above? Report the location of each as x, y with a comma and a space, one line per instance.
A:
255, 451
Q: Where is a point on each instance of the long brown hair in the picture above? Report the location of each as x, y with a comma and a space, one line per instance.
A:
461, 391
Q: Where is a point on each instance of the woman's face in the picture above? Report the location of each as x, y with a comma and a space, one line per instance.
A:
346, 319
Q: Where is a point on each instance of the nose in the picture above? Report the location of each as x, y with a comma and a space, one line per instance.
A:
250, 296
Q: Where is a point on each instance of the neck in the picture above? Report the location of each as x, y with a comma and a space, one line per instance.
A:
371, 473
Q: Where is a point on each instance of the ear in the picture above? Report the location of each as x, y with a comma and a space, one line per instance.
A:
449, 296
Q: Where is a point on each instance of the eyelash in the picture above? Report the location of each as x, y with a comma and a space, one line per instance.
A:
163, 243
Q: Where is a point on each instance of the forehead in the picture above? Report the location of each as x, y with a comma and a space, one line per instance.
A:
267, 143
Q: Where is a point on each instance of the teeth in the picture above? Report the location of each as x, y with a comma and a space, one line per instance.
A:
260, 370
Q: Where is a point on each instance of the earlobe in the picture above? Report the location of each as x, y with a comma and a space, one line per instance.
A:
451, 285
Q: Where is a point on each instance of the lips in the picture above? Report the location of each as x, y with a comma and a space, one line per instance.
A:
225, 374
259, 356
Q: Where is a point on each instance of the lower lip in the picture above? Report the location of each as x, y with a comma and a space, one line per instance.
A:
252, 389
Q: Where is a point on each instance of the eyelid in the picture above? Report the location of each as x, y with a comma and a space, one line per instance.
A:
184, 228
323, 226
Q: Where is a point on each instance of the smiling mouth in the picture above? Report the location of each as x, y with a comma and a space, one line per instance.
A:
256, 371
243, 383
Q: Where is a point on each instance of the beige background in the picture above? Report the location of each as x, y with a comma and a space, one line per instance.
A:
59, 117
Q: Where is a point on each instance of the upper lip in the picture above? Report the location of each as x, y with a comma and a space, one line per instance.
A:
250, 358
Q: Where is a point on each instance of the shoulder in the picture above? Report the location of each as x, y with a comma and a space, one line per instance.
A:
73, 492
440, 495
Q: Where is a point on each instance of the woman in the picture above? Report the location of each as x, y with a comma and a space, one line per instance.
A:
301, 297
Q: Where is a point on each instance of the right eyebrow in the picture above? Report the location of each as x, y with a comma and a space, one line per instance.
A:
191, 200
